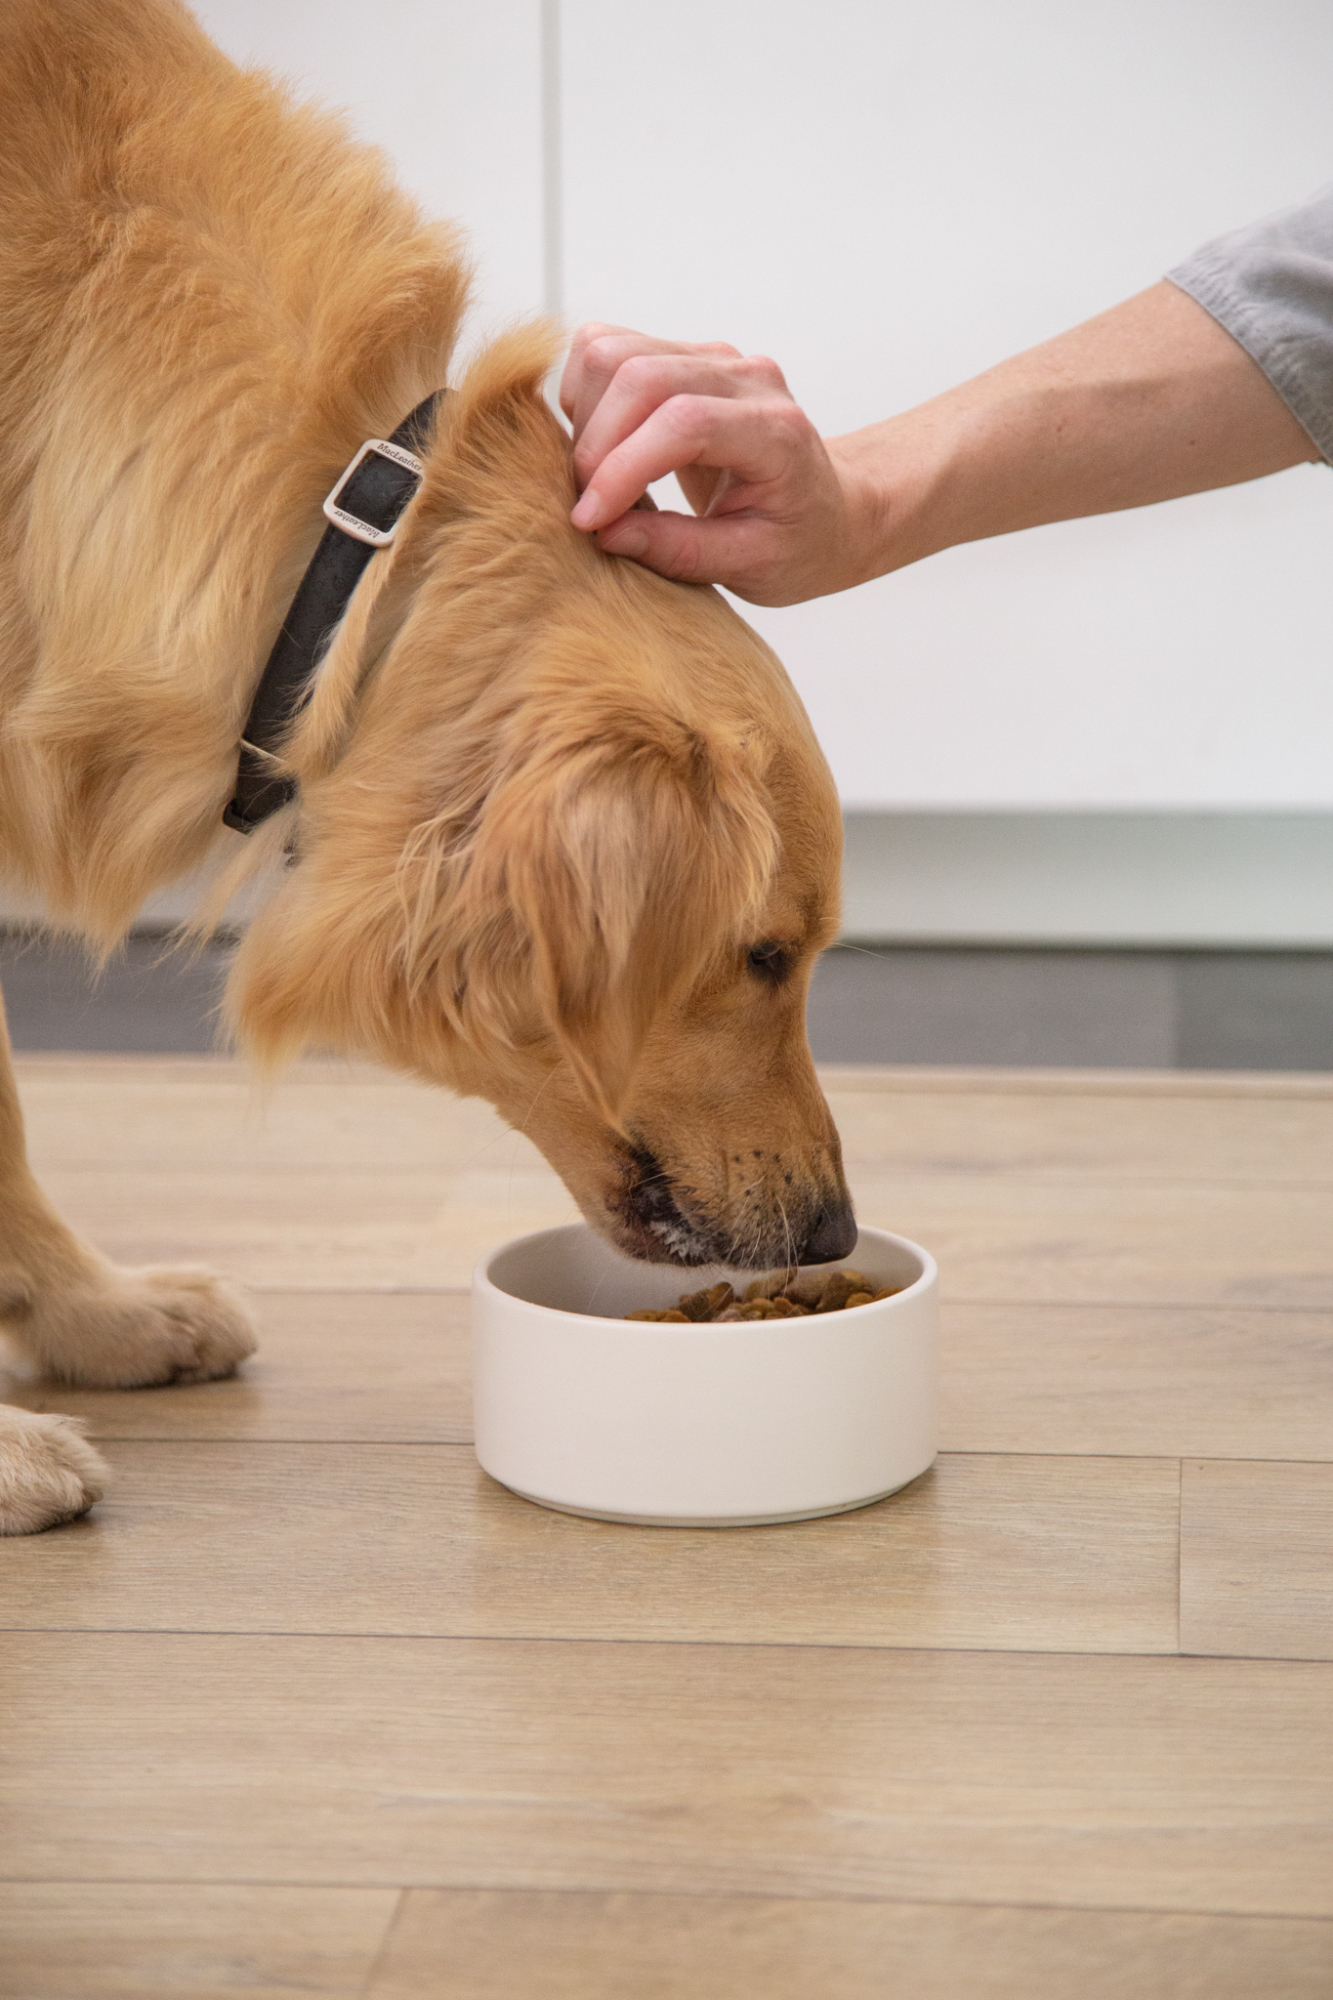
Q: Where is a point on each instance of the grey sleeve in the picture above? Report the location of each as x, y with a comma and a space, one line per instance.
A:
1271, 286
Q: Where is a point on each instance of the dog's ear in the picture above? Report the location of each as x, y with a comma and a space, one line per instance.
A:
627, 861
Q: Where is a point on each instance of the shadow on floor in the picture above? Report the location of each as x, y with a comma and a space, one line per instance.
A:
1080, 1009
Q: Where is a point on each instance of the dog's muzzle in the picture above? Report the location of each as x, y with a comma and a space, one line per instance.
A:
656, 1223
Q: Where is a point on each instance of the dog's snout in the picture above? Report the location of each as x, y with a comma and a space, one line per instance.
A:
662, 1213
833, 1234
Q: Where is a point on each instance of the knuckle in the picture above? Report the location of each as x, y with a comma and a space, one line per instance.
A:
584, 347
641, 371
789, 418
598, 354
686, 414
606, 351
763, 369
597, 331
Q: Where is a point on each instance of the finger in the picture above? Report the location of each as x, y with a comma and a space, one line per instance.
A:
608, 349
758, 442
571, 374
605, 355
644, 382
743, 555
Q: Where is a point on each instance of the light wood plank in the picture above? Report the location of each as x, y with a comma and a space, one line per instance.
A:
1038, 1124
996, 1238
187, 1941
1117, 1134
500, 1946
372, 1184
185, 1111
297, 1229
1103, 1380
1211, 1382
1081, 1242
1256, 1560
1049, 1554
852, 1765
1167, 1784
394, 1366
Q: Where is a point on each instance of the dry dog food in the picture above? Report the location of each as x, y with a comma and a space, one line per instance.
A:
782, 1295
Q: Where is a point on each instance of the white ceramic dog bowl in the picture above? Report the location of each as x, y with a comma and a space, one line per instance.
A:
697, 1426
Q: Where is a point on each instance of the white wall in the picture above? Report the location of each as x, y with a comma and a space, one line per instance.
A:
452, 90
888, 197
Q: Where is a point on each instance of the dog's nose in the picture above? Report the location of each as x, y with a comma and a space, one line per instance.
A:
833, 1236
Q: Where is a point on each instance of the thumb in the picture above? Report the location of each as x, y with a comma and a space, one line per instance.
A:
682, 546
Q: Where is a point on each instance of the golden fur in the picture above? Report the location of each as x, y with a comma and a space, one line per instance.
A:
548, 802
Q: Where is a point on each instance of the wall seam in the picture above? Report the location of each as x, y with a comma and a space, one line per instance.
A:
553, 246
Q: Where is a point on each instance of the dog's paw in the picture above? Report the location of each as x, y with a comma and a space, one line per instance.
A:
140, 1329
49, 1473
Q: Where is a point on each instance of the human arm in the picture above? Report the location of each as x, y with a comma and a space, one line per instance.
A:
1149, 401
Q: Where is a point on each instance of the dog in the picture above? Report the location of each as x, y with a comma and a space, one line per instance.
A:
557, 831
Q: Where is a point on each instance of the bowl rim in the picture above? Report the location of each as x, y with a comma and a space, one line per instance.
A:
482, 1281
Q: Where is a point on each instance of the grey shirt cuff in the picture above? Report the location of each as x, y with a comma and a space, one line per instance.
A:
1271, 286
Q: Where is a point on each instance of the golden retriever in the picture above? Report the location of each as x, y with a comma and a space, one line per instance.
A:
563, 837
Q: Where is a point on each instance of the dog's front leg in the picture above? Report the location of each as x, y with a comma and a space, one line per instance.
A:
84, 1320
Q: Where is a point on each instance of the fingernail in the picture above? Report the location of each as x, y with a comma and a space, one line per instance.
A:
626, 541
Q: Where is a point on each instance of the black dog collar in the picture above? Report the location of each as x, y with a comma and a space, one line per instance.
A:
363, 512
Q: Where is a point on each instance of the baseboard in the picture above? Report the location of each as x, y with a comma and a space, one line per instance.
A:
1245, 881
1251, 880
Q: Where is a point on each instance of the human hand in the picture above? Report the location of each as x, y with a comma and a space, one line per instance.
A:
777, 518
1146, 402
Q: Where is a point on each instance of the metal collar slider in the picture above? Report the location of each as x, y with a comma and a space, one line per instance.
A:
368, 499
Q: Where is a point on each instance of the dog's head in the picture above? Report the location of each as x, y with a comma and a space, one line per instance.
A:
566, 842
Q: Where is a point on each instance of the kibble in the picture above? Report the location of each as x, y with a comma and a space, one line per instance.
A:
781, 1295
708, 1303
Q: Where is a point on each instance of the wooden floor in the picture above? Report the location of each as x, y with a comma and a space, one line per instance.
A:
309, 1706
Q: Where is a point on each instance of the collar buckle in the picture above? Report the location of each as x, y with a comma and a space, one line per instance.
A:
385, 498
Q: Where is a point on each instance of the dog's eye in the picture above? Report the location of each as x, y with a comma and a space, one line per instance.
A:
769, 961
